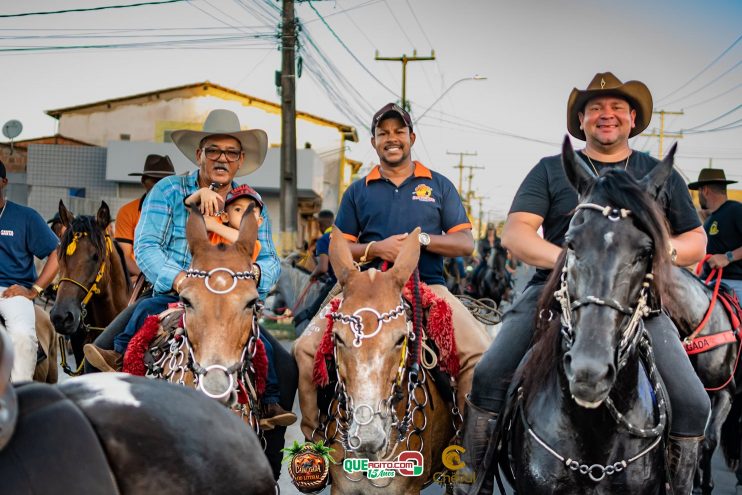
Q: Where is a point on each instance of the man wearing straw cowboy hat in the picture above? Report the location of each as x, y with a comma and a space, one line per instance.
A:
723, 225
605, 116
156, 167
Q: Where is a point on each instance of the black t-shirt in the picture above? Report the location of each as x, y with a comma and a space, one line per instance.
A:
724, 230
546, 192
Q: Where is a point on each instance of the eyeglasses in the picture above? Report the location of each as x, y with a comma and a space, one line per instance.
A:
216, 153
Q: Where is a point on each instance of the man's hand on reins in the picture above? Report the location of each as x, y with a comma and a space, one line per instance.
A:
388, 249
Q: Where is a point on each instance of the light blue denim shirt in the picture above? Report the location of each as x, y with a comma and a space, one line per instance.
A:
160, 245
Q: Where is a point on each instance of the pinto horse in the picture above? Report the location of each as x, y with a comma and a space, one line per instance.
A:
218, 351
715, 366
121, 434
385, 407
93, 284
587, 412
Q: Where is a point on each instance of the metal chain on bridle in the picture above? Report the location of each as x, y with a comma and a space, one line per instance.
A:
178, 358
633, 336
89, 293
341, 409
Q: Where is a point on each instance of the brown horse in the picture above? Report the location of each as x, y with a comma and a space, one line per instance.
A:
93, 282
220, 296
46, 369
385, 404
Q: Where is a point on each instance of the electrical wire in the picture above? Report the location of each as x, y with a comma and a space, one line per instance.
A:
90, 9
705, 85
712, 120
702, 70
713, 97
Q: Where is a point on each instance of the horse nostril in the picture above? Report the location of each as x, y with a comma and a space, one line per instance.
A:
567, 363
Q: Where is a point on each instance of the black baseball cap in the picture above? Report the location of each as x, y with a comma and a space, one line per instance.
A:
391, 110
2, 170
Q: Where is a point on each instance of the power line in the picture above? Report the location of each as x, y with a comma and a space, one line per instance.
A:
713, 120
713, 97
342, 43
90, 9
701, 72
726, 127
705, 85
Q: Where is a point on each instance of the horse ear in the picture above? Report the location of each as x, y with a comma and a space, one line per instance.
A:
407, 259
103, 217
340, 256
577, 171
196, 229
656, 179
65, 215
248, 233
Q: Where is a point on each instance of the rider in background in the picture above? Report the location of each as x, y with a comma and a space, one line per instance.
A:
325, 218
605, 116
723, 226
23, 235
377, 213
156, 167
484, 247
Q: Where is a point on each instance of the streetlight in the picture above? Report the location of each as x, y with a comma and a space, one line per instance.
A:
475, 77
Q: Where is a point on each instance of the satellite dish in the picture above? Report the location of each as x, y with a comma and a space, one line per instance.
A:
12, 129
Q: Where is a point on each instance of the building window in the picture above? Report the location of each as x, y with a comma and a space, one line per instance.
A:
125, 137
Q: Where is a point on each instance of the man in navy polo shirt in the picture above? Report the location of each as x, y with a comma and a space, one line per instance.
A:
376, 214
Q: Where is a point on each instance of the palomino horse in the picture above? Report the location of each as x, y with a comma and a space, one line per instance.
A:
216, 350
121, 434
385, 406
589, 415
93, 282
715, 365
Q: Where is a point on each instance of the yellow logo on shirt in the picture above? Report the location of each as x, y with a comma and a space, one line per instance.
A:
714, 229
423, 192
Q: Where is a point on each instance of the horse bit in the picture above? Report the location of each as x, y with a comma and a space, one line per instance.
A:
632, 336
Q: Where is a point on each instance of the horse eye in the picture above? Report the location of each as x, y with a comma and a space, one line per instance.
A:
251, 303
339, 341
400, 341
186, 302
94, 257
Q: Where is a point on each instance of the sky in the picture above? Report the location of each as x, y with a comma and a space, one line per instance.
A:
689, 53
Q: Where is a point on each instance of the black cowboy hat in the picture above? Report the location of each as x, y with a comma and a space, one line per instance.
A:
606, 84
710, 176
156, 166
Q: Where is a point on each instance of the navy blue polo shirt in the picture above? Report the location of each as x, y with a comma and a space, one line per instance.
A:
373, 208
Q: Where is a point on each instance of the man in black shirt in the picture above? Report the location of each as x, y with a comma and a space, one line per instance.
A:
605, 116
723, 226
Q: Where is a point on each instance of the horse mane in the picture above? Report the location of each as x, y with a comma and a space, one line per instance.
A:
617, 189
83, 224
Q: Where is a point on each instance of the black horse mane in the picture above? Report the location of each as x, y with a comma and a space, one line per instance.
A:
617, 189
97, 236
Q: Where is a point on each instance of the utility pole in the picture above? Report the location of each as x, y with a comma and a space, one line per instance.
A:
469, 192
460, 166
480, 230
662, 134
405, 59
288, 192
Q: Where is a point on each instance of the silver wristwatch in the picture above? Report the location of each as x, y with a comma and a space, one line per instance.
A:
423, 238
730, 256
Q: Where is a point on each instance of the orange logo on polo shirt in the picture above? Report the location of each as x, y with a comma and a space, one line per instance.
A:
423, 192
714, 229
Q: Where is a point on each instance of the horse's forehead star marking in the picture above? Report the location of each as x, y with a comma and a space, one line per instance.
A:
107, 388
608, 237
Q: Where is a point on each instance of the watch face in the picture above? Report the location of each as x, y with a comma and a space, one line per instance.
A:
424, 239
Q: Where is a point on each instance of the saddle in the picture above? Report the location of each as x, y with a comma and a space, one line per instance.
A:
33, 462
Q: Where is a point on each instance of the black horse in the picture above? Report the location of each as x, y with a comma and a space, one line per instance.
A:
492, 280
119, 434
588, 411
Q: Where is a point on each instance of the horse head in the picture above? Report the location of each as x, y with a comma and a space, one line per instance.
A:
616, 250
371, 342
220, 296
84, 265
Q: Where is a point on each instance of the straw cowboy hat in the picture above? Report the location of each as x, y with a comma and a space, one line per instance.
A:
606, 84
156, 166
710, 176
225, 123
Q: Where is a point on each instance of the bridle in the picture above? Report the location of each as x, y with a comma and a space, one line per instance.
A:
633, 335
